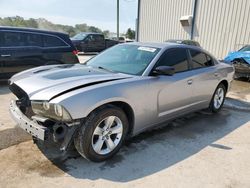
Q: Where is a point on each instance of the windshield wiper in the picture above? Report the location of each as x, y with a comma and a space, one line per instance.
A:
100, 67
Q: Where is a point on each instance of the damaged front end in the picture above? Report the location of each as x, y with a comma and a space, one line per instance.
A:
42, 120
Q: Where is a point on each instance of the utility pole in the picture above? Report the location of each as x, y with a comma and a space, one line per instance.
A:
118, 19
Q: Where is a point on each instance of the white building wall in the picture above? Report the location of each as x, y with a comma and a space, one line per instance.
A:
220, 25
159, 19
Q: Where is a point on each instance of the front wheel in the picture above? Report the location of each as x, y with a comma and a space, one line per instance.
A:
102, 134
218, 98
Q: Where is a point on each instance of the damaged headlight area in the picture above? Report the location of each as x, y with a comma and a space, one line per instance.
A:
49, 110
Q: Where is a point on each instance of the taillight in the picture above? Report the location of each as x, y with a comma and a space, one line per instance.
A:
75, 52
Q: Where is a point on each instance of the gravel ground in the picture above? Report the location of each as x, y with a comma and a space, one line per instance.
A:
198, 150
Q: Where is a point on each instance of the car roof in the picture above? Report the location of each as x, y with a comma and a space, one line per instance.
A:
91, 33
164, 45
31, 30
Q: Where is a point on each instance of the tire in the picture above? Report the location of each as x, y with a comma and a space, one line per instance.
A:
218, 98
93, 138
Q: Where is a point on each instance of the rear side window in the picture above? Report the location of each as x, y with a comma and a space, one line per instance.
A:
34, 40
200, 59
176, 58
51, 41
1, 39
13, 39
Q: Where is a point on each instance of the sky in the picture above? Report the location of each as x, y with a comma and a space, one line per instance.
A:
99, 13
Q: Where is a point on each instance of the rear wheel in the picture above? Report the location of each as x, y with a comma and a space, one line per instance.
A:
102, 134
218, 98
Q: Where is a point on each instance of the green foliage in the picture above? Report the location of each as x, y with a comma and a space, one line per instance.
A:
130, 33
106, 33
42, 23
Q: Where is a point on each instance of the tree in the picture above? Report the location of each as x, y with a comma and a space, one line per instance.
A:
42, 23
32, 23
130, 33
81, 27
106, 33
94, 29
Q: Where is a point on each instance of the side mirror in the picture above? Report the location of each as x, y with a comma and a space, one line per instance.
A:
164, 70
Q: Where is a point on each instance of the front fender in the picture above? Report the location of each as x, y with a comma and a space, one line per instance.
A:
136, 92
80, 104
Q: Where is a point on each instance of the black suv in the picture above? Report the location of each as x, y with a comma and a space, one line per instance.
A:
24, 48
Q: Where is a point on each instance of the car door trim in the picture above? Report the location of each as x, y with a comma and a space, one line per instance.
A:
180, 108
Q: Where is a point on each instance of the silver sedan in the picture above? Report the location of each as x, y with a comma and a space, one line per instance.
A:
117, 94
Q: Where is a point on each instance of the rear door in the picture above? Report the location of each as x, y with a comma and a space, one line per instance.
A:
20, 51
205, 76
57, 51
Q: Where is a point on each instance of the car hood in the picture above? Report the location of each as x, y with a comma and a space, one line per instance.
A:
47, 82
234, 55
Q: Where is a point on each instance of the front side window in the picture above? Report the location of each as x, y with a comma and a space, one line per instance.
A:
200, 59
90, 38
98, 37
176, 58
129, 59
51, 41
79, 36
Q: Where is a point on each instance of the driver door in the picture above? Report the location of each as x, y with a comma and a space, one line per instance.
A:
175, 93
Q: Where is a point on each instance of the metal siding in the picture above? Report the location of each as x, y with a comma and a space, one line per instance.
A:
158, 21
220, 25
227, 25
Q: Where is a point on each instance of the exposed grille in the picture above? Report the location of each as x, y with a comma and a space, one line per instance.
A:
20, 94
23, 103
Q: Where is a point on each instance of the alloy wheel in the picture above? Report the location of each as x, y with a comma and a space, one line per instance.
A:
107, 135
218, 98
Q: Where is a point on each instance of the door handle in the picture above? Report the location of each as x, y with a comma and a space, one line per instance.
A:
190, 82
5, 55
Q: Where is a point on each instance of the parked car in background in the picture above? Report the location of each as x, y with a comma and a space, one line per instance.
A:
24, 48
100, 104
188, 42
92, 42
241, 61
123, 39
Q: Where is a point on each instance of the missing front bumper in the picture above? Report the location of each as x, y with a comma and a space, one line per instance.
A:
26, 124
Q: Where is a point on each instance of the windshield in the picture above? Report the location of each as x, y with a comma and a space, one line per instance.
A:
245, 48
128, 59
79, 36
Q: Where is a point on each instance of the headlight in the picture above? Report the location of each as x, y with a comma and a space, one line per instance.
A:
46, 105
53, 111
58, 110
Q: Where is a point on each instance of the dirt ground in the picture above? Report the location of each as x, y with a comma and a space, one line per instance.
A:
198, 150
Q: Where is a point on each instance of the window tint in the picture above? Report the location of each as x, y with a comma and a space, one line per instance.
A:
98, 38
95, 38
200, 59
51, 41
11, 39
176, 58
34, 40
1, 38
